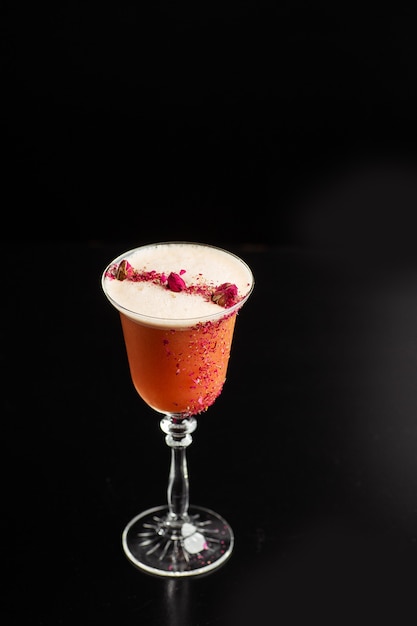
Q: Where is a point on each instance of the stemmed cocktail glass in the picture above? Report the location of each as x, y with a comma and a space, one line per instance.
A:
178, 303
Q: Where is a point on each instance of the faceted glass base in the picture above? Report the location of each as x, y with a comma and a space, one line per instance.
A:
163, 546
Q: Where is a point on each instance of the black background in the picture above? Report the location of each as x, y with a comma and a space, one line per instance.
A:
309, 453
280, 131
236, 121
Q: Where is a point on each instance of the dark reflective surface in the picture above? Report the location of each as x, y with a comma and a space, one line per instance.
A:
310, 452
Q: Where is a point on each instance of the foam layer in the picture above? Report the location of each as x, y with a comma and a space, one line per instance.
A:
157, 305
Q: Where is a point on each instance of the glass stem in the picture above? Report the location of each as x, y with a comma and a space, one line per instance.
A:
178, 437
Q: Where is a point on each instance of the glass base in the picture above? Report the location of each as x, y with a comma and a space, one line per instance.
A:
164, 547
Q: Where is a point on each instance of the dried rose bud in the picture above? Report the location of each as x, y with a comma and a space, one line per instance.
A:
124, 270
225, 295
175, 282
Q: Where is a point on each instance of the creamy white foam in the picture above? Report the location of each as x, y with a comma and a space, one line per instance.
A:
204, 265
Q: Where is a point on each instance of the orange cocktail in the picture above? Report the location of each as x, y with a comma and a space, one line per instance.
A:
178, 303
179, 371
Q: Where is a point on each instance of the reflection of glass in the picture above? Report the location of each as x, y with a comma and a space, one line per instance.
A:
178, 303
176, 602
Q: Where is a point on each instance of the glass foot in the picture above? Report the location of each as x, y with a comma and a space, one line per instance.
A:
160, 546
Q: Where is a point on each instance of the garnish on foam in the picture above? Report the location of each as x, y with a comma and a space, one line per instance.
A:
225, 295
